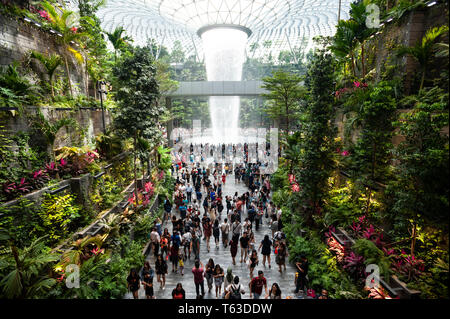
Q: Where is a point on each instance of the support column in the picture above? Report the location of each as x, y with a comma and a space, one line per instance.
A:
170, 122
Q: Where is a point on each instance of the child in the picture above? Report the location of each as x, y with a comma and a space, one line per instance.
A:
181, 259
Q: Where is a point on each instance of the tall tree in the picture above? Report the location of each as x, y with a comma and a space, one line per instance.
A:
138, 112
318, 132
284, 95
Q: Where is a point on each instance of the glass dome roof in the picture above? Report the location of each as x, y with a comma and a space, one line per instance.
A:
278, 24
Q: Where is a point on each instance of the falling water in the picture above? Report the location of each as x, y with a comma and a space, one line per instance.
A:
224, 56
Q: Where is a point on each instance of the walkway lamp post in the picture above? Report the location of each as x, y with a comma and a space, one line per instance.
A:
102, 90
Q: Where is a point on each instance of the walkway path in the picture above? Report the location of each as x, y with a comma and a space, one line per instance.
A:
222, 256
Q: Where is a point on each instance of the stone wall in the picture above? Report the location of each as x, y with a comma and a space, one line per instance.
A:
89, 121
17, 38
406, 31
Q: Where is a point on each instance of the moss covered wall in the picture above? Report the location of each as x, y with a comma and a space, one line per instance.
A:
17, 38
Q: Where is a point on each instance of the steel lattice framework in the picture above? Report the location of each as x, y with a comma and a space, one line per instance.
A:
275, 24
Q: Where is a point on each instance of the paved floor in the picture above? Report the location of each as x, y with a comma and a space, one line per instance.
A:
222, 256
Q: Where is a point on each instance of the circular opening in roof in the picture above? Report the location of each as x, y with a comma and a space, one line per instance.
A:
224, 26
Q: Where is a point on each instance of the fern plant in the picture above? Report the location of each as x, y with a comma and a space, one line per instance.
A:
373, 255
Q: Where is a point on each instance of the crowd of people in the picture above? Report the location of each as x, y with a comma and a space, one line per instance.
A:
205, 212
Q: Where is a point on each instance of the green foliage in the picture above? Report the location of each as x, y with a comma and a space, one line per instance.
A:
284, 92
21, 221
423, 51
341, 209
372, 255
323, 272
60, 215
370, 161
106, 192
24, 272
422, 192
318, 134
50, 63
17, 88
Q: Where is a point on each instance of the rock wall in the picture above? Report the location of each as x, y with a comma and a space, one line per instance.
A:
17, 38
89, 121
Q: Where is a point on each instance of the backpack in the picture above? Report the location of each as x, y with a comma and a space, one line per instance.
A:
235, 294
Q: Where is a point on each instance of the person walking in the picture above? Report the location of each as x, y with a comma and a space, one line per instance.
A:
216, 233
167, 208
133, 283
274, 292
199, 279
218, 280
225, 228
244, 240
186, 242
235, 290
207, 231
195, 245
161, 271
178, 292
253, 262
256, 285
228, 279
174, 247
234, 248
147, 280
209, 273
281, 255
266, 245
189, 191
302, 268
155, 238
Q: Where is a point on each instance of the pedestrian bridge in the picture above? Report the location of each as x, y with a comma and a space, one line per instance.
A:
219, 88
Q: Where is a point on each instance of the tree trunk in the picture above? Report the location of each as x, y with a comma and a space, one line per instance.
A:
68, 75
413, 241
422, 81
135, 171
353, 65
51, 86
362, 61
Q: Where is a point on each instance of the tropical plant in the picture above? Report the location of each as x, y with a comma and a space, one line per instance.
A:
50, 63
83, 249
16, 88
66, 23
50, 130
58, 215
25, 271
118, 40
344, 41
424, 50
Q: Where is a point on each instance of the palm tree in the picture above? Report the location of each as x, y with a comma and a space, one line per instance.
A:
50, 64
27, 268
424, 50
65, 23
358, 14
117, 40
344, 41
